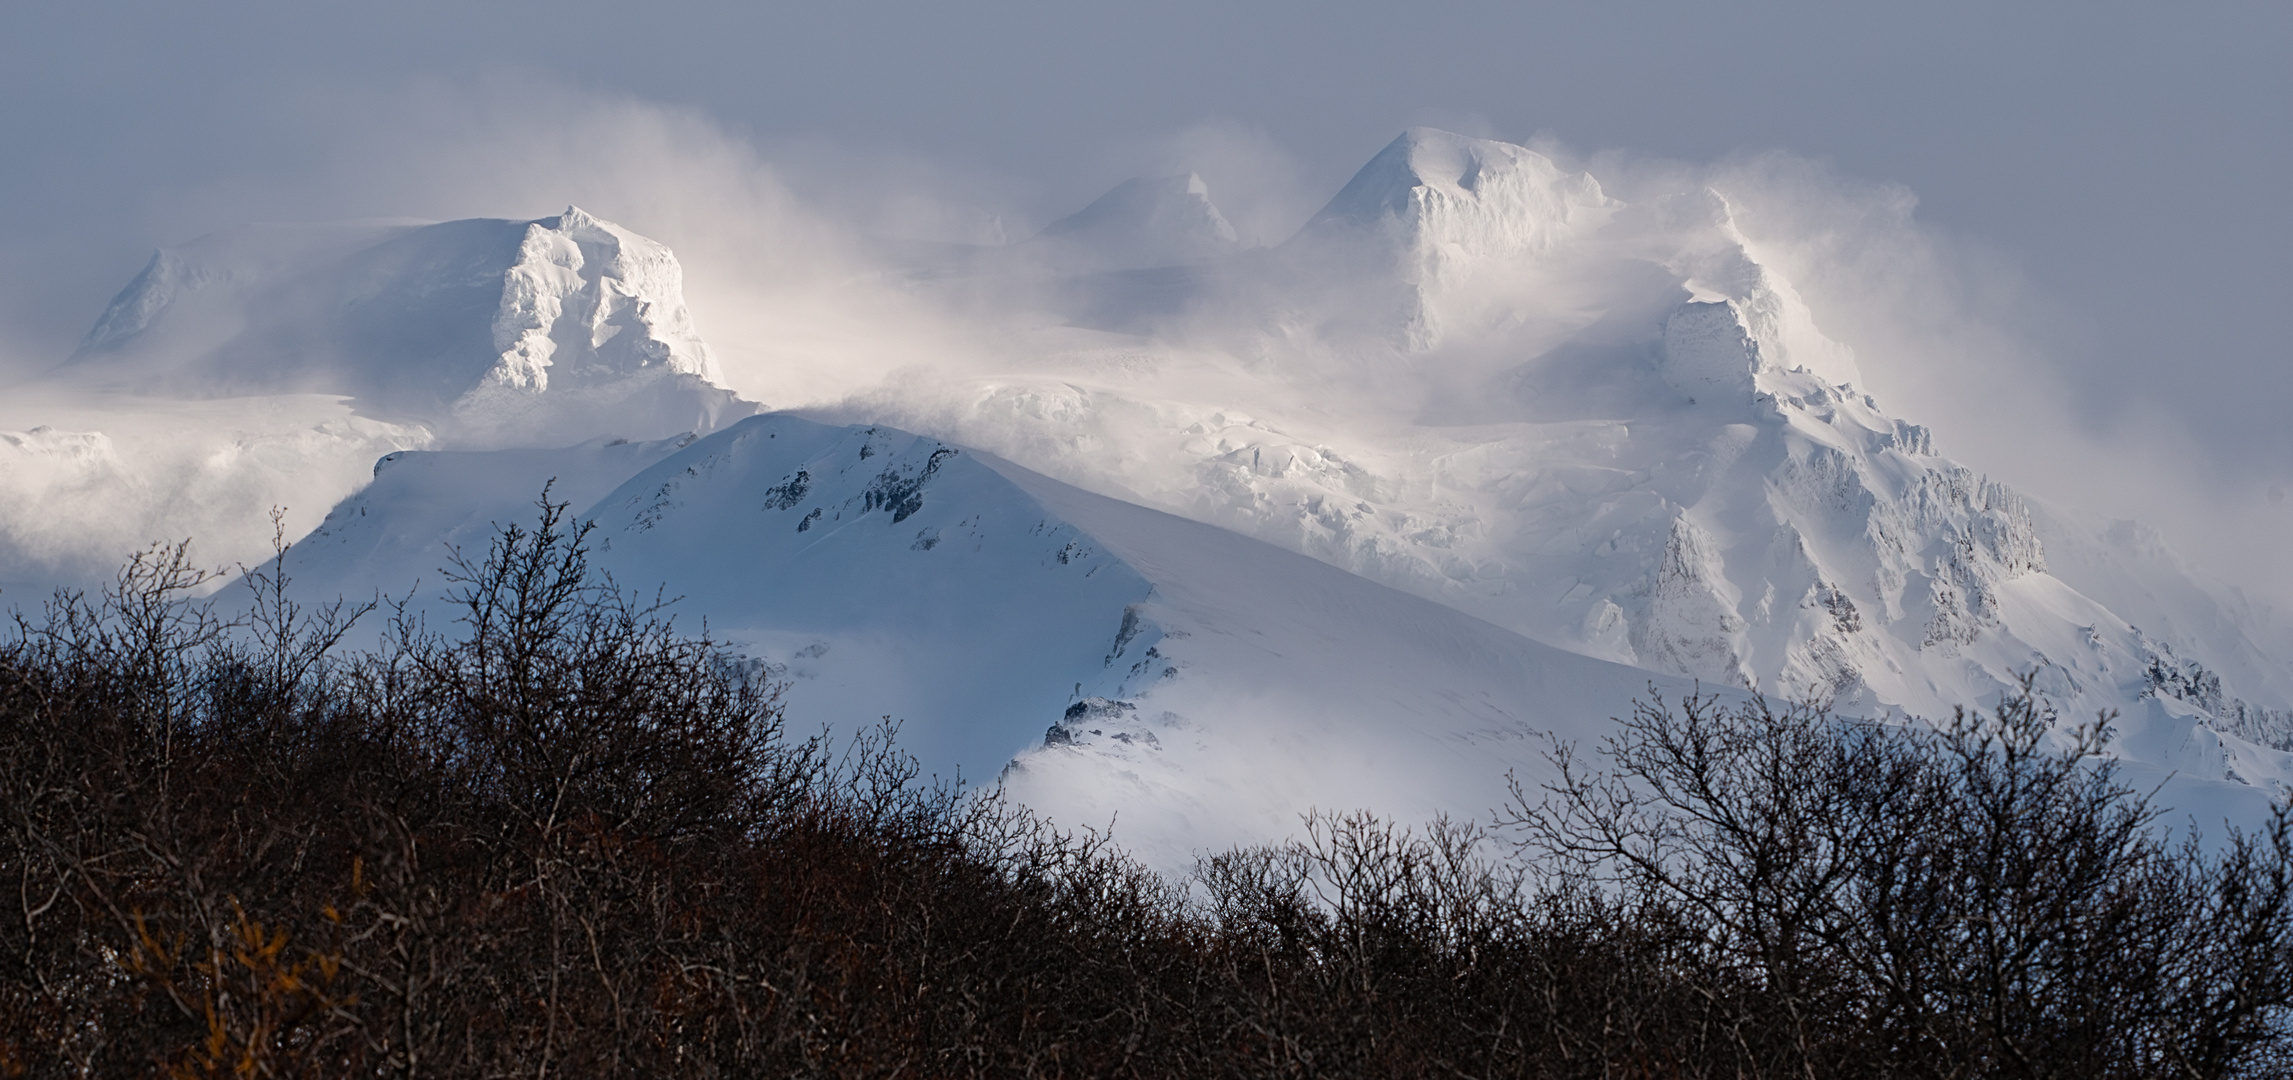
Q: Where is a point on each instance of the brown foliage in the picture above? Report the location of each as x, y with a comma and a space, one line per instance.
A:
561, 839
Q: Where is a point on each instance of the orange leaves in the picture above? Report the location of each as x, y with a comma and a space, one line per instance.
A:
259, 1003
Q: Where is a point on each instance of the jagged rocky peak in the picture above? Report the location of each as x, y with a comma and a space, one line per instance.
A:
1144, 222
1483, 197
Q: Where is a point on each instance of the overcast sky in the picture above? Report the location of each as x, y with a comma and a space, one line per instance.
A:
2133, 162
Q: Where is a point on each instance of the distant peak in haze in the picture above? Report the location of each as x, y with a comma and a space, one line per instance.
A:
1438, 184
1145, 222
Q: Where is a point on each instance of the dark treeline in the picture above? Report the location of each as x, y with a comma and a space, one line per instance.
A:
556, 838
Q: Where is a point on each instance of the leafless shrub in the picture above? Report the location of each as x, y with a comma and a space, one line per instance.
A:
557, 837
1967, 901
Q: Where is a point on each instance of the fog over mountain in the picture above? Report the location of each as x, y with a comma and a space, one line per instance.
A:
1190, 534
1197, 441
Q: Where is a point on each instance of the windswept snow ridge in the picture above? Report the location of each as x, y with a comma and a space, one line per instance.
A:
1478, 377
1218, 535
1204, 686
488, 332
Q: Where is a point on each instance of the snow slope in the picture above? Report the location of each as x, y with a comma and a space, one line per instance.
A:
1113, 664
1202, 686
1211, 536
1619, 429
487, 331
269, 365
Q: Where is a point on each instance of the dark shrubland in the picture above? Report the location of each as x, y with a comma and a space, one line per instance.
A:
556, 837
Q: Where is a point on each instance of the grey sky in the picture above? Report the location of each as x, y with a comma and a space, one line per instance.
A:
2135, 160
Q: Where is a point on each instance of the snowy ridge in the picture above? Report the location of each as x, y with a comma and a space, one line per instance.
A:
884, 573
489, 332
1346, 522
1204, 686
1622, 432
1694, 236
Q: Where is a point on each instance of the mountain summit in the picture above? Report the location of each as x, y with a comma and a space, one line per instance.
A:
487, 330
1143, 223
1430, 188
1212, 536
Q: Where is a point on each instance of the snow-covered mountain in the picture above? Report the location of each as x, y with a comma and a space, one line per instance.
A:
1216, 535
269, 365
1109, 661
1620, 430
1200, 685
1143, 223
488, 331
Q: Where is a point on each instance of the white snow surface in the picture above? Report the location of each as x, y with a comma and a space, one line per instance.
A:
1199, 686
1143, 223
486, 332
1479, 452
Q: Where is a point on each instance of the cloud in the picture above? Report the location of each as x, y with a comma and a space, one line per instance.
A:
1952, 333
791, 281
1261, 187
782, 291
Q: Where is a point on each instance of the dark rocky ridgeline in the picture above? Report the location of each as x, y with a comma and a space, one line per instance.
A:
557, 837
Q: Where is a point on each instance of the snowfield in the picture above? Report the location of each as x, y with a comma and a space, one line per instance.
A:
1216, 534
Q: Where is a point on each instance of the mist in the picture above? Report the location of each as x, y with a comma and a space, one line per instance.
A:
1988, 209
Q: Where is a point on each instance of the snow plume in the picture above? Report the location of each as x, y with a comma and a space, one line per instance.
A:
789, 306
789, 295
85, 482
1258, 184
869, 283
1949, 333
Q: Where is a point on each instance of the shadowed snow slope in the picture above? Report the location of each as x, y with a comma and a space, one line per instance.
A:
1205, 686
1477, 377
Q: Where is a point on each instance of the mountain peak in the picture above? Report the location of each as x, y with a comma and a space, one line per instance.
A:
1439, 185
1694, 234
473, 324
622, 294
1144, 222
